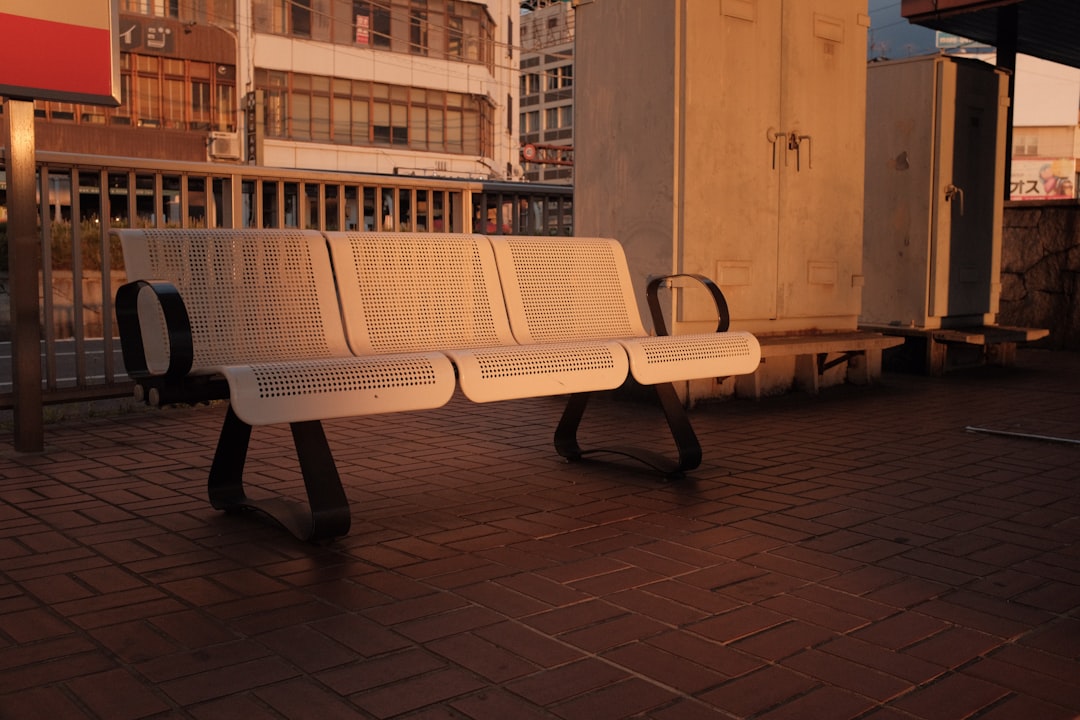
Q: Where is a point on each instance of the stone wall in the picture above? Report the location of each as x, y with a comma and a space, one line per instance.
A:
1040, 271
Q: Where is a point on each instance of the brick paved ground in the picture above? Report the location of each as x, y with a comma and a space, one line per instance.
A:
854, 555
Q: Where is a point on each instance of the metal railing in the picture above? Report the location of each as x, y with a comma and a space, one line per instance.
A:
81, 197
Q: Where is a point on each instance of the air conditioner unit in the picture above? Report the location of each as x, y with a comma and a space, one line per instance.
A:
225, 145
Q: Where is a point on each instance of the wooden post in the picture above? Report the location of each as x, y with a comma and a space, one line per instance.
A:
24, 265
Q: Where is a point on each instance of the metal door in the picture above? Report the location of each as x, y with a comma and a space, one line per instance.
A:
731, 157
967, 193
823, 109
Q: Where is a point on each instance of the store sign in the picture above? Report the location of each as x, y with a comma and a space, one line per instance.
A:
253, 127
64, 50
148, 36
1043, 179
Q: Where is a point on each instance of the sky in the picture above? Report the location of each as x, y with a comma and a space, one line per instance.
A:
893, 37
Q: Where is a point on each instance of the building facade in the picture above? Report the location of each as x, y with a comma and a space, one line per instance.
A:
1046, 130
546, 89
409, 87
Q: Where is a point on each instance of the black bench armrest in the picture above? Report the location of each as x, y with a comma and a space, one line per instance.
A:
723, 317
177, 325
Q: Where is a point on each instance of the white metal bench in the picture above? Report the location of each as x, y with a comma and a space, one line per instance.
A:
294, 327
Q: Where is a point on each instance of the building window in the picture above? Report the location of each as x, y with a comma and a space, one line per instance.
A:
362, 113
460, 30
530, 122
225, 104
200, 95
219, 12
161, 92
469, 34
566, 116
156, 8
275, 86
418, 27
559, 117
455, 37
1026, 145
560, 77
372, 21
148, 91
530, 84
174, 99
299, 18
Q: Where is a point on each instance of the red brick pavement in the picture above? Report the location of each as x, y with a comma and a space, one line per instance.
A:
853, 555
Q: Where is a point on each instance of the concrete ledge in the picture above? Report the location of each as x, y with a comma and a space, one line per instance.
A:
946, 348
979, 335
810, 361
826, 342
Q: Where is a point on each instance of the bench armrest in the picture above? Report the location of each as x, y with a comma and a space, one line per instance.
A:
723, 317
177, 325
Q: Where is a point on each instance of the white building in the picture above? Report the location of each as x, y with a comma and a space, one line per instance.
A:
409, 87
1046, 133
547, 90
412, 87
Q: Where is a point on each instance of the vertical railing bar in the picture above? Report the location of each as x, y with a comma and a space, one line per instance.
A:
341, 207
77, 271
280, 214
108, 364
133, 200
46, 287
256, 202
320, 201
159, 200
185, 220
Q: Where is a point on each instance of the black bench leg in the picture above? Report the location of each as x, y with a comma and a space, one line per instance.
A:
326, 498
328, 513
226, 483
685, 438
566, 443
686, 441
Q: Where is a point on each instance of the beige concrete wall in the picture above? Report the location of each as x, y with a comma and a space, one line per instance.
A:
624, 128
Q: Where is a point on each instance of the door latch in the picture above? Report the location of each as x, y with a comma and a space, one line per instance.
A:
795, 142
951, 191
773, 136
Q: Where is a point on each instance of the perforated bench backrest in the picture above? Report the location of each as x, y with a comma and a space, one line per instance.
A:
251, 295
566, 288
418, 291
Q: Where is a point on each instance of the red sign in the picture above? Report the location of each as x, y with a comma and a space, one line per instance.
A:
362, 29
64, 50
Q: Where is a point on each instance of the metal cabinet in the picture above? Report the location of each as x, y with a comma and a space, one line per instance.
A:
726, 138
934, 192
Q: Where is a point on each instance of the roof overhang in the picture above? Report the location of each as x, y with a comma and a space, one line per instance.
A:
1047, 29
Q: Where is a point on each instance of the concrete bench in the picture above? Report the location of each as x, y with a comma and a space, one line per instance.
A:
298, 327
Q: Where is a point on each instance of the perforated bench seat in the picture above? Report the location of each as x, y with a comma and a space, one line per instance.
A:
298, 326
411, 291
566, 289
259, 309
